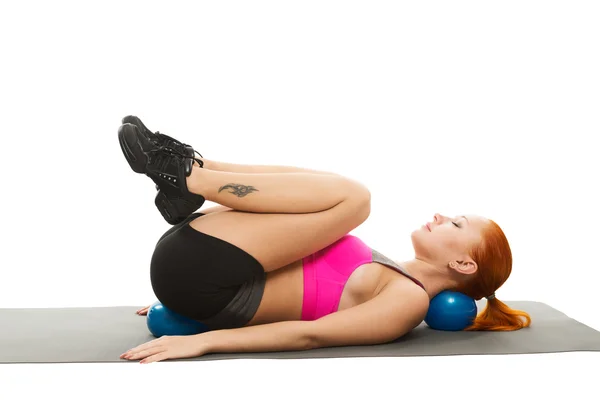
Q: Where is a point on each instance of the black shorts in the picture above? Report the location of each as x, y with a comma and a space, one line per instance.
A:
205, 278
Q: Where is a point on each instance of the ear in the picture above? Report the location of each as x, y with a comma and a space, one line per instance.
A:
467, 267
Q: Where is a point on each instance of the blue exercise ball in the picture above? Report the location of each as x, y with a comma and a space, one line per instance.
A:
162, 321
451, 311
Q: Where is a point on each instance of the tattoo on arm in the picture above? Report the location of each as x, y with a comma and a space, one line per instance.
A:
238, 190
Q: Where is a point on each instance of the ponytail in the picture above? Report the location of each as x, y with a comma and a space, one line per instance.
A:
497, 316
494, 259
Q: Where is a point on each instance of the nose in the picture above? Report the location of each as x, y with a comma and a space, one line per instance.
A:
437, 217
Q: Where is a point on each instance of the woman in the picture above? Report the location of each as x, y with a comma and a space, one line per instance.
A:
273, 267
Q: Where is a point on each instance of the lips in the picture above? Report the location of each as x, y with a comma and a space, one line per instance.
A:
428, 227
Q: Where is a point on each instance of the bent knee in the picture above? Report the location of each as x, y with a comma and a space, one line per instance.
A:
359, 190
361, 204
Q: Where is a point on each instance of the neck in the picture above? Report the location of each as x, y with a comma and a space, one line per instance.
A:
433, 278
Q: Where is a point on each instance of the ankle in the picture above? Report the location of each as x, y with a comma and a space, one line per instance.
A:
197, 165
208, 164
194, 180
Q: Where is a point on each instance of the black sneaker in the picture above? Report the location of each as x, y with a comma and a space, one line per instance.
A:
173, 207
160, 138
176, 208
167, 167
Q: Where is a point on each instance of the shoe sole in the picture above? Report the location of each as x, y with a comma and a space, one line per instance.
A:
167, 209
136, 164
171, 213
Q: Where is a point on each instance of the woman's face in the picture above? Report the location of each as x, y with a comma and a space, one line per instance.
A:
448, 239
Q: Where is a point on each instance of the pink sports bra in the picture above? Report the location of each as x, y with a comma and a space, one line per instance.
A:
327, 271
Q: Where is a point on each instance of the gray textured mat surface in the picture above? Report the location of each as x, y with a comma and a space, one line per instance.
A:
59, 335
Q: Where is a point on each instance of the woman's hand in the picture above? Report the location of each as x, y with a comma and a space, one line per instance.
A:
143, 311
167, 347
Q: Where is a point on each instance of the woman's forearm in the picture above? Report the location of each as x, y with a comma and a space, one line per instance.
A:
278, 336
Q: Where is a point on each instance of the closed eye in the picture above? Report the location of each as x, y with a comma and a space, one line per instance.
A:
455, 224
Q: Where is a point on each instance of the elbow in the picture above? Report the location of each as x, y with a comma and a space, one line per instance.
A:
316, 340
310, 342
310, 338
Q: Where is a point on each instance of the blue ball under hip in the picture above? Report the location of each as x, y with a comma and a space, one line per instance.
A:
162, 321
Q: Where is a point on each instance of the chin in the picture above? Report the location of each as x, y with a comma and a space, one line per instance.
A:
419, 232
414, 237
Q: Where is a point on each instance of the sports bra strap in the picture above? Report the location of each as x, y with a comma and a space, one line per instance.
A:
380, 258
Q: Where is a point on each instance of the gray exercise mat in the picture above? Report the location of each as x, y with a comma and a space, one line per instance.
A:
75, 335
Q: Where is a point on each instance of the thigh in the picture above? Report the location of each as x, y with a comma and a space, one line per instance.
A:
276, 240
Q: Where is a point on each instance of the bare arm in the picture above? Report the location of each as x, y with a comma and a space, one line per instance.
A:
395, 311
399, 307
278, 336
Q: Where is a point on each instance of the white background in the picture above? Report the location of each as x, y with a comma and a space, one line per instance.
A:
486, 108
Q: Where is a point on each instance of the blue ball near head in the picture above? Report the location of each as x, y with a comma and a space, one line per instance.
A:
162, 321
451, 311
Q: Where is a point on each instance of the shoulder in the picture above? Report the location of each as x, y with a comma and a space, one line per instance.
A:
407, 295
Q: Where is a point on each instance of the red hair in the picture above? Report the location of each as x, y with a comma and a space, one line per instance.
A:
494, 258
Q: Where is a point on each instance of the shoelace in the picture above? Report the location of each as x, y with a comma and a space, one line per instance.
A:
163, 154
173, 143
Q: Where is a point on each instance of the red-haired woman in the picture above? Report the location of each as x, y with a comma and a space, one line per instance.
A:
273, 268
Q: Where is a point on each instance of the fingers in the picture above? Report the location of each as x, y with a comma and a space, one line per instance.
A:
147, 345
138, 355
151, 355
164, 348
157, 357
153, 346
143, 311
